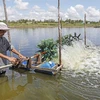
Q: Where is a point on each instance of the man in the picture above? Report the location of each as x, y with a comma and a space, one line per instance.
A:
5, 46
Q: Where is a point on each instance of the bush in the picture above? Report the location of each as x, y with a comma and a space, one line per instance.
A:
50, 47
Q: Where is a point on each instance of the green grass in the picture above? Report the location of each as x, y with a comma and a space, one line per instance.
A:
44, 24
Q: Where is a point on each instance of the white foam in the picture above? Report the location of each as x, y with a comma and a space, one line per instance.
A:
80, 58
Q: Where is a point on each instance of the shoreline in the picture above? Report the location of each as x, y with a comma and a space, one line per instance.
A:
48, 26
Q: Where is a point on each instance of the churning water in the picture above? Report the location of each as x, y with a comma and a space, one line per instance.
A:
82, 69
80, 57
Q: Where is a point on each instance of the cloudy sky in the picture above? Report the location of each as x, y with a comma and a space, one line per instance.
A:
47, 9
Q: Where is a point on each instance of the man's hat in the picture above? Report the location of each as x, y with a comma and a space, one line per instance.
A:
3, 26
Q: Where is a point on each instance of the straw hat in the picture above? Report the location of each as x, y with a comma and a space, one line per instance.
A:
3, 26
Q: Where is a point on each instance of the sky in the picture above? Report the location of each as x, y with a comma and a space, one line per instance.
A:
47, 9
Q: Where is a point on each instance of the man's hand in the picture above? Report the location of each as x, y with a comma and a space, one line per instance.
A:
22, 57
13, 60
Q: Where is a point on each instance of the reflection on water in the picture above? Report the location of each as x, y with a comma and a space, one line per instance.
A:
28, 86
79, 79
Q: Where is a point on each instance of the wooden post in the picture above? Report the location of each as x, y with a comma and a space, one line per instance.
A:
84, 29
6, 18
59, 31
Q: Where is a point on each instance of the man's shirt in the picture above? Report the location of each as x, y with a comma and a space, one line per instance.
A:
4, 46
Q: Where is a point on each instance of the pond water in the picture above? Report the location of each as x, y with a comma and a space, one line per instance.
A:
79, 79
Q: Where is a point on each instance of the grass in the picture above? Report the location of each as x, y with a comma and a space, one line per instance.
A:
44, 24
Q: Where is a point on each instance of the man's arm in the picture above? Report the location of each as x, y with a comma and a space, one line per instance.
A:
18, 53
11, 59
4, 56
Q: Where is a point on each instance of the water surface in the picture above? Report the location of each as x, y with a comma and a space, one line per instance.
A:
79, 79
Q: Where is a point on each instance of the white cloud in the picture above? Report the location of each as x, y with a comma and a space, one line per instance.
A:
21, 5
1, 13
51, 12
92, 14
37, 9
11, 11
52, 8
40, 14
73, 14
65, 16
79, 8
13, 14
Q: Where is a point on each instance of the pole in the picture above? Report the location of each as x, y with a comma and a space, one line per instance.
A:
84, 29
5, 66
6, 18
59, 31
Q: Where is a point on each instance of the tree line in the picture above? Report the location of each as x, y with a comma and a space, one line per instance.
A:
49, 21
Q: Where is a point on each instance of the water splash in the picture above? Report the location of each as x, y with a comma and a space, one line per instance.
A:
81, 58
